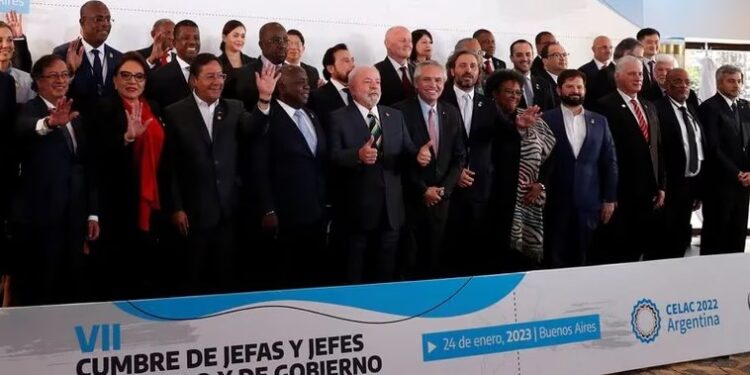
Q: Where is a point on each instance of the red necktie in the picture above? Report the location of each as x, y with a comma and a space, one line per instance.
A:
641, 119
405, 83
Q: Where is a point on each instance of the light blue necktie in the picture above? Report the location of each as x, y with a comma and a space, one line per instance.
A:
303, 126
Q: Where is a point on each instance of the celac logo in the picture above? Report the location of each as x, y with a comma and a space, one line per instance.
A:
645, 320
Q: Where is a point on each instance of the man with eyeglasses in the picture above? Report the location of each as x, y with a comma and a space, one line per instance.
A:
170, 83
202, 159
90, 60
684, 144
273, 41
555, 60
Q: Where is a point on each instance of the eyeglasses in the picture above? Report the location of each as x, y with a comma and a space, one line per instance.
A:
57, 76
215, 76
126, 76
510, 92
559, 55
100, 19
678, 82
278, 40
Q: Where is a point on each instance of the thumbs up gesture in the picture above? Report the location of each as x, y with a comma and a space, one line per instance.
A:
368, 154
424, 156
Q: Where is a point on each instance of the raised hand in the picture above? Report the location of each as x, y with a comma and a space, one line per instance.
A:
266, 81
136, 127
158, 51
15, 21
74, 56
529, 117
62, 113
424, 156
367, 153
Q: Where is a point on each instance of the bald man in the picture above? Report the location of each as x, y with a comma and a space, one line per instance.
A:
602, 49
396, 74
273, 42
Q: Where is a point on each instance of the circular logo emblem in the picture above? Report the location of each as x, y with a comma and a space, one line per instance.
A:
645, 321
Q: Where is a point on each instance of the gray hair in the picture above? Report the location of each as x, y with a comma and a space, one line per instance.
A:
421, 65
626, 60
357, 69
461, 44
726, 70
666, 59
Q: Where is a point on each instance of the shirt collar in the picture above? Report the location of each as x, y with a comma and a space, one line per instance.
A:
460, 93
627, 98
676, 103
287, 108
47, 103
88, 47
288, 63
426, 107
364, 111
268, 62
600, 64
553, 75
568, 112
183, 63
398, 66
338, 85
729, 101
202, 103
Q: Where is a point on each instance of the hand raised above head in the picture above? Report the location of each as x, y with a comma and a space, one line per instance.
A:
266, 81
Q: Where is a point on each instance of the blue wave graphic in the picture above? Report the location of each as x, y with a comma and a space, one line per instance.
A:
427, 299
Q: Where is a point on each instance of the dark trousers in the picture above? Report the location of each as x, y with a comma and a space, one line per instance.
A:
372, 253
304, 260
725, 210
629, 235
426, 233
568, 238
675, 230
467, 249
210, 259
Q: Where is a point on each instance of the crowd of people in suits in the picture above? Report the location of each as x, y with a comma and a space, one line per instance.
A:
169, 171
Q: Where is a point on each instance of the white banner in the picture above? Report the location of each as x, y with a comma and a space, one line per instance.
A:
593, 320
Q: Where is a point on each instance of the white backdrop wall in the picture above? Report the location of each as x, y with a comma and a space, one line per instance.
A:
360, 24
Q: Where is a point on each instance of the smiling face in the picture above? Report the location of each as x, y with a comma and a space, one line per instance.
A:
430, 83
466, 71
130, 80
235, 40
398, 43
209, 82
521, 57
6, 44
295, 50
53, 84
424, 48
293, 86
96, 23
508, 95
187, 42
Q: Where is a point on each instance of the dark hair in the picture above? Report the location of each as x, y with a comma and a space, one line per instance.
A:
183, 23
132, 56
538, 38
642, 33
88, 4
519, 41
568, 74
416, 35
3, 24
501, 76
298, 34
451, 63
200, 61
480, 32
44, 62
625, 45
330, 59
228, 27
544, 53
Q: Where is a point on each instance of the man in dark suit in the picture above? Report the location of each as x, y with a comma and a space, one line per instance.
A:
7, 118
204, 136
438, 127
52, 201
396, 74
641, 183
294, 53
372, 147
650, 39
555, 60
273, 42
541, 40
603, 82
160, 51
289, 162
169, 83
467, 220
602, 49
582, 187
337, 63
684, 145
726, 122
490, 63
89, 59
535, 90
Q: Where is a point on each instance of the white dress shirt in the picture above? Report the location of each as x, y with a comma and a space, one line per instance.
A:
729, 101
340, 89
398, 66
575, 128
308, 124
87, 48
207, 113
184, 68
467, 112
685, 143
627, 98
554, 77
600, 65
364, 111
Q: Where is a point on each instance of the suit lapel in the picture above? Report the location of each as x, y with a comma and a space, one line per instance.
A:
591, 132
203, 128
318, 132
558, 128
443, 137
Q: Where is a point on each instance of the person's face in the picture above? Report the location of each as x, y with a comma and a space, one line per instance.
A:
466, 71
602, 49
274, 43
637, 52
430, 83
293, 87
6, 44
365, 87
130, 80
521, 57
96, 24
730, 85
187, 43
166, 29
545, 40
209, 82
424, 47
53, 84
343, 63
630, 78
651, 45
660, 72
678, 85
295, 49
508, 95
572, 92
235, 40
487, 41
557, 59
398, 43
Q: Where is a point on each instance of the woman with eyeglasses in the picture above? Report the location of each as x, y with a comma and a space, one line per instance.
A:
521, 156
24, 93
128, 139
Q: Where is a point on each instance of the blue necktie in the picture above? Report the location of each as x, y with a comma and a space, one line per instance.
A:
302, 125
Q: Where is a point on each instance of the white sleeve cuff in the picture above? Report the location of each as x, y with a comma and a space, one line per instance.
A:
41, 128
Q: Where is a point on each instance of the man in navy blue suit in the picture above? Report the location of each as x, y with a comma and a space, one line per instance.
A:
582, 188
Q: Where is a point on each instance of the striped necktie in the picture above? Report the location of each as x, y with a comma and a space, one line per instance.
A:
375, 130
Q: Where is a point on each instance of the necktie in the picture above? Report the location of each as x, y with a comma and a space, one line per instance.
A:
692, 146
467, 112
488, 66
651, 68
405, 83
528, 93
303, 126
348, 95
97, 70
642, 123
375, 130
432, 129
738, 121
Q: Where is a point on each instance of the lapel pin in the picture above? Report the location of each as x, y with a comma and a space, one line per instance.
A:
479, 104
312, 115
623, 106
592, 121
218, 117
537, 86
110, 55
387, 114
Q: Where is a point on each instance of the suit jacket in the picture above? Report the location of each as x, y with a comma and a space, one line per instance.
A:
312, 75
581, 183
542, 94
325, 100
655, 93
600, 85
53, 188
498, 64
485, 121
590, 69
83, 88
640, 163
552, 88
443, 170
243, 87
537, 66
290, 177
370, 188
231, 71
648, 80
7, 119
727, 150
22, 56
674, 150
204, 172
390, 82
167, 84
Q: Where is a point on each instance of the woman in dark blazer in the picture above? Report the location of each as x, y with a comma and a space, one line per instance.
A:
232, 43
128, 139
